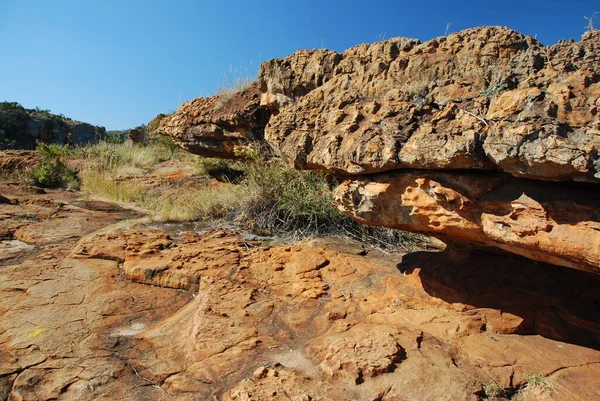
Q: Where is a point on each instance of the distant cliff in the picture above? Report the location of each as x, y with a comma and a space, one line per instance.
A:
20, 128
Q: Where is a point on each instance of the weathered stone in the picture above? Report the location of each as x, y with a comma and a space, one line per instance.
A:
485, 98
548, 222
80, 321
136, 135
219, 126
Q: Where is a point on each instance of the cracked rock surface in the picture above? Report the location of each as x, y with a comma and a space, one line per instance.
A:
145, 314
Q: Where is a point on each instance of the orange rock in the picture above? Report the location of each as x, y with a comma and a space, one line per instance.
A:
541, 221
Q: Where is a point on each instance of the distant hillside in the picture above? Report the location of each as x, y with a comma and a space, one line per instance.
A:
20, 128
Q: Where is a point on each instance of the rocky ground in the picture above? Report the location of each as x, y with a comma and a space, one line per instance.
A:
93, 309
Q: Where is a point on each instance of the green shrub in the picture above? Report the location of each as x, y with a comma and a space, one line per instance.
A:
224, 170
116, 136
166, 142
53, 150
54, 173
285, 199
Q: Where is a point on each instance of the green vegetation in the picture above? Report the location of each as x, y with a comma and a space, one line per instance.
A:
538, 381
166, 142
269, 197
116, 136
18, 125
52, 172
111, 156
53, 150
492, 390
13, 124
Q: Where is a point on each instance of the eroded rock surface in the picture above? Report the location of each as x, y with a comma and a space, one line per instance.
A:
484, 98
145, 314
219, 126
311, 323
548, 222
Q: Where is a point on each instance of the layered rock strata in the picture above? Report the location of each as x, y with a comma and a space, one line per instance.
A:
219, 126
557, 224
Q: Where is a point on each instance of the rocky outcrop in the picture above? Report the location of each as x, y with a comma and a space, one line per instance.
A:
18, 161
92, 309
323, 324
136, 135
457, 123
22, 128
219, 126
557, 224
485, 98
453, 121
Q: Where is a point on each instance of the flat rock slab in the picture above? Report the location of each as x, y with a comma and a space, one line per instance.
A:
12, 249
327, 324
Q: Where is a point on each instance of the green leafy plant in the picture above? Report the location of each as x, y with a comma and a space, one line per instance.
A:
492, 390
53, 150
166, 142
54, 173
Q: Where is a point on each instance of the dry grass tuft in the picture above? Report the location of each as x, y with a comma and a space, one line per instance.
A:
270, 197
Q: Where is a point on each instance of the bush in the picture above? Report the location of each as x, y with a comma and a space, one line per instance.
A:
53, 150
54, 173
224, 170
287, 200
166, 142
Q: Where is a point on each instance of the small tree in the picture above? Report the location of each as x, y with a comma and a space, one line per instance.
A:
167, 143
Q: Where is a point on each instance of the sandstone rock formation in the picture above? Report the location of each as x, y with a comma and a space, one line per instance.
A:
267, 323
484, 98
452, 121
220, 126
91, 309
18, 161
558, 224
136, 135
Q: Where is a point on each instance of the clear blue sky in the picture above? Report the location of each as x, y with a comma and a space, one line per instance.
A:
119, 63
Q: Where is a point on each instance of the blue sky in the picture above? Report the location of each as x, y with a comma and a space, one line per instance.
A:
119, 63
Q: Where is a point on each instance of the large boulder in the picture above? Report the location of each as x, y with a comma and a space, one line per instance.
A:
220, 126
485, 98
459, 137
